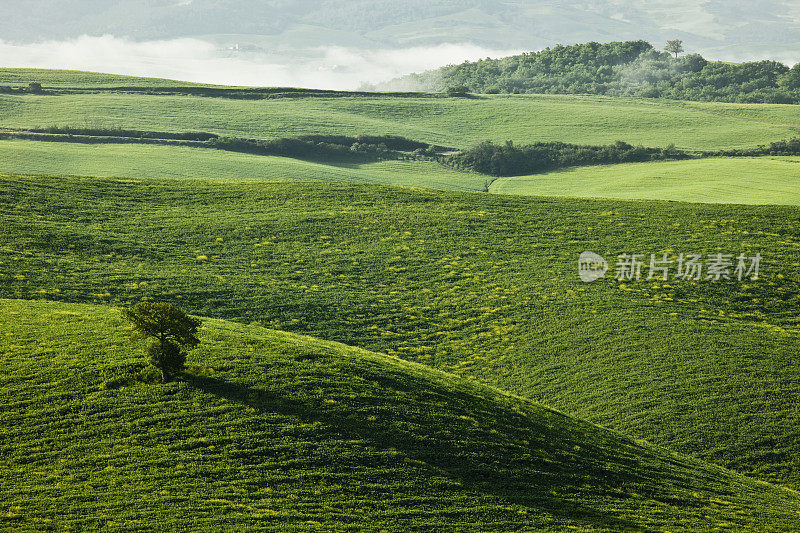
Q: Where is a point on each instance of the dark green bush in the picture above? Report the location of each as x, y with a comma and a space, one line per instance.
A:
511, 160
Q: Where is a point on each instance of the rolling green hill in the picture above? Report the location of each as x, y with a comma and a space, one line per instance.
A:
276, 431
484, 286
456, 122
630, 68
763, 180
468, 295
144, 161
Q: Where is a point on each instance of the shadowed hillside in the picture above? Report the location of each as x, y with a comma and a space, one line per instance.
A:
484, 286
274, 431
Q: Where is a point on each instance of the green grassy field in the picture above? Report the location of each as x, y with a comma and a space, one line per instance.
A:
767, 114
456, 122
484, 286
462, 291
699, 125
762, 180
279, 432
153, 161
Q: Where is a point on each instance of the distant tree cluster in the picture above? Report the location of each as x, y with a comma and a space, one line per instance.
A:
363, 148
632, 68
511, 160
780, 148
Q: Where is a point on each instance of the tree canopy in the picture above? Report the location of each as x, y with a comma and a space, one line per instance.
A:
631, 68
674, 46
170, 331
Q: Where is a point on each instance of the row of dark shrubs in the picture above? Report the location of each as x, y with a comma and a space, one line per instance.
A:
260, 93
118, 132
96, 139
292, 147
487, 158
340, 148
780, 148
393, 142
328, 147
217, 92
33, 88
511, 160
236, 93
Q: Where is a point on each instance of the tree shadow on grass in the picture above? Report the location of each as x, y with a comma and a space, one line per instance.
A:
541, 475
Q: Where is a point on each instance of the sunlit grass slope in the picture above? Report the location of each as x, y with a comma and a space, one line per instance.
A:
275, 431
769, 114
480, 285
763, 180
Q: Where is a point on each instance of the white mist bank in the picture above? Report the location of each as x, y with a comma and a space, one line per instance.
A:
195, 60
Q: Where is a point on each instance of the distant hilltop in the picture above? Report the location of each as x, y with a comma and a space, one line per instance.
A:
630, 68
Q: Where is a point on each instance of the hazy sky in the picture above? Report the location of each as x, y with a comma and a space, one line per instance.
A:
344, 43
189, 59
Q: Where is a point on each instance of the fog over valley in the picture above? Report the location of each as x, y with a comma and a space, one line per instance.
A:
343, 45
196, 60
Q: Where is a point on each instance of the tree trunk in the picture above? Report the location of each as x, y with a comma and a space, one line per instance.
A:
163, 377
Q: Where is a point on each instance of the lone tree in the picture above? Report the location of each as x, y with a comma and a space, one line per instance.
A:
171, 332
674, 46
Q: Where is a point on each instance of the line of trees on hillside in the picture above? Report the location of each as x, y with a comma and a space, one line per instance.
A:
631, 68
512, 160
487, 157
328, 148
336, 148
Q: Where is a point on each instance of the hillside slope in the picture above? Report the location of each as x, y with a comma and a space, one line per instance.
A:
455, 122
480, 285
631, 68
275, 431
144, 161
763, 180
